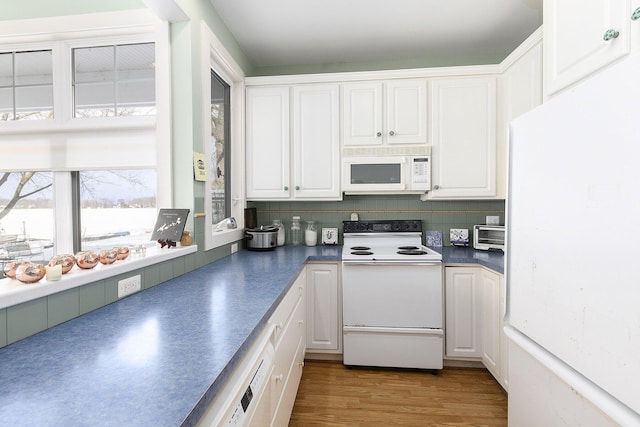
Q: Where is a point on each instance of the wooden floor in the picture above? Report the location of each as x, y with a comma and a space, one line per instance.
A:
332, 395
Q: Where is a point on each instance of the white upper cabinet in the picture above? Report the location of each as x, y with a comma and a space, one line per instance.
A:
463, 127
581, 38
267, 142
297, 160
389, 112
316, 141
521, 91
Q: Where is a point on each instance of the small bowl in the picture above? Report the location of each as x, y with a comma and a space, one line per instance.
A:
108, 256
87, 259
30, 272
123, 252
11, 267
66, 260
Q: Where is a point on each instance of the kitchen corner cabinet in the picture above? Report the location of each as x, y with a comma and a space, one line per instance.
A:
292, 148
475, 308
389, 112
463, 321
574, 39
324, 308
463, 112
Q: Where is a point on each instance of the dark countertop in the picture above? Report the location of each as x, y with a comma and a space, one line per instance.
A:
160, 356
155, 358
493, 260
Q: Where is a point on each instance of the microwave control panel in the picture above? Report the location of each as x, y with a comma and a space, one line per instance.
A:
420, 173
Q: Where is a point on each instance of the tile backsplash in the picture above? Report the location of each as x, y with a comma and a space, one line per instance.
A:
436, 215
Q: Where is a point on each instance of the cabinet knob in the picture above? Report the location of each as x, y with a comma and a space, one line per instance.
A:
379, 134
610, 35
286, 188
392, 133
436, 187
635, 15
297, 187
278, 377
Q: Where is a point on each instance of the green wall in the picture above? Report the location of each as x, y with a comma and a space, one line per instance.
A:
436, 215
28, 9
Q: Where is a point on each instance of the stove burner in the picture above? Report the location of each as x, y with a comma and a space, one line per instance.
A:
408, 248
412, 252
360, 248
361, 252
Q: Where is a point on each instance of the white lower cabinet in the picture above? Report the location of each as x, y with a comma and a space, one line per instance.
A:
272, 367
289, 354
463, 312
324, 308
475, 308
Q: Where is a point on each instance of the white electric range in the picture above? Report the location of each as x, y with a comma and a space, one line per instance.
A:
392, 296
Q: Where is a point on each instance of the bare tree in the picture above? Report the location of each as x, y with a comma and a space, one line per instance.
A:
22, 188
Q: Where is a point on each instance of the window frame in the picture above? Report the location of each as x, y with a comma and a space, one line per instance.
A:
215, 57
61, 35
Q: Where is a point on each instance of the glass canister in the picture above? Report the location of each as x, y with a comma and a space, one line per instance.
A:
311, 234
277, 223
296, 234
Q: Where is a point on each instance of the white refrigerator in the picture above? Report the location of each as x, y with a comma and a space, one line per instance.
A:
573, 256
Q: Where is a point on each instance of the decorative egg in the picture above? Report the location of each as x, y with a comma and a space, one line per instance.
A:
11, 267
108, 256
30, 272
87, 259
123, 252
66, 260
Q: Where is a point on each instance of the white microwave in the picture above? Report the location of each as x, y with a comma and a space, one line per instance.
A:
397, 174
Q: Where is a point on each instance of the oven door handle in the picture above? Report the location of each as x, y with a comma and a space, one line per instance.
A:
385, 263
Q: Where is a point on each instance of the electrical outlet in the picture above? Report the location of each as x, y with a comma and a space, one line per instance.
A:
128, 286
234, 248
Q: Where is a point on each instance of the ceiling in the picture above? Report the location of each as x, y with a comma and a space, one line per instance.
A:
286, 33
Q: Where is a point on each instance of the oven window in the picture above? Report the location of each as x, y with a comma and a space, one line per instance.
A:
381, 173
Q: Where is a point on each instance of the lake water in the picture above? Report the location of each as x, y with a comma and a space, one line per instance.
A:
38, 225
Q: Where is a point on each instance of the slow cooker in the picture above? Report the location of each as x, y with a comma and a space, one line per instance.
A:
263, 238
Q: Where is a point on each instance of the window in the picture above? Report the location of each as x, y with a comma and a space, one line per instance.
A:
116, 80
220, 156
117, 208
26, 85
97, 156
26, 216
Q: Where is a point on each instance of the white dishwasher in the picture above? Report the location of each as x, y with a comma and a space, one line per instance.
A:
247, 402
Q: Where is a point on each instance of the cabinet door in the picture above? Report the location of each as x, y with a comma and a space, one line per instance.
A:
362, 114
406, 113
574, 44
463, 299
316, 142
267, 142
491, 321
324, 324
464, 138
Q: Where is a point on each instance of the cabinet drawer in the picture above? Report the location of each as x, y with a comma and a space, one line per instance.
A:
287, 352
281, 317
289, 388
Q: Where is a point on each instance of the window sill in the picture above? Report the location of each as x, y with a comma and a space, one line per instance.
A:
224, 237
13, 292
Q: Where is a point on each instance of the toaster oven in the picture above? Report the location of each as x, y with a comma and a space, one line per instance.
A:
488, 237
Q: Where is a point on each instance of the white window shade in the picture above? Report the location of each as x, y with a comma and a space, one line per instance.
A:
79, 150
